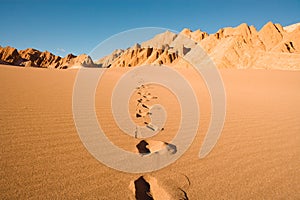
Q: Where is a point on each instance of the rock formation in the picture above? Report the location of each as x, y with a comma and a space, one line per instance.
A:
107, 60
272, 47
240, 47
35, 58
10, 55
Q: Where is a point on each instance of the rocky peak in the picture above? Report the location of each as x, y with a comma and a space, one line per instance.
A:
197, 35
160, 40
34, 58
10, 55
270, 35
30, 54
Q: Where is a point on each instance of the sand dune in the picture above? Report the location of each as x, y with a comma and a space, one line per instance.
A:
257, 156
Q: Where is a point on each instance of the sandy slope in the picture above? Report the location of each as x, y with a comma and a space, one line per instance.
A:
256, 157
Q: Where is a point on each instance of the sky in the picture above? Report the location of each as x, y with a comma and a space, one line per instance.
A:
78, 26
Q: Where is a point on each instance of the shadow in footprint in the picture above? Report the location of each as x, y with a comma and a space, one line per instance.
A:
171, 148
142, 147
142, 189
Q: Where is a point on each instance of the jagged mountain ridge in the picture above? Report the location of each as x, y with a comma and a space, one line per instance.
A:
243, 46
272, 47
34, 58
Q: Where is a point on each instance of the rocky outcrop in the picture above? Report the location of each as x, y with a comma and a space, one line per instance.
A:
71, 61
139, 56
106, 61
245, 47
160, 41
10, 55
273, 46
39, 59
238, 47
35, 58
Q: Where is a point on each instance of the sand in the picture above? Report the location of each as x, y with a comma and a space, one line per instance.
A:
256, 157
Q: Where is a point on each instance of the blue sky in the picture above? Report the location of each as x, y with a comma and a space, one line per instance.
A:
77, 27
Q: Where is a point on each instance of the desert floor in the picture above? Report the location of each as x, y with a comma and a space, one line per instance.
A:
256, 157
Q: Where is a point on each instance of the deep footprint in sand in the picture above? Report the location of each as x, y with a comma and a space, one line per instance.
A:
142, 189
149, 187
142, 147
147, 147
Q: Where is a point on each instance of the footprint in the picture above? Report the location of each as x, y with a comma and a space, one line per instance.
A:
142, 147
158, 188
147, 147
142, 189
145, 106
